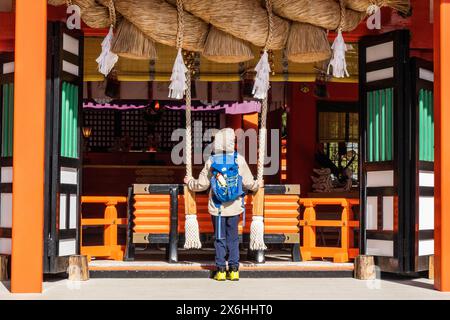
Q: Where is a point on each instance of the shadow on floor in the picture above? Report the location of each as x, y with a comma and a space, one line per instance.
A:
7, 285
411, 281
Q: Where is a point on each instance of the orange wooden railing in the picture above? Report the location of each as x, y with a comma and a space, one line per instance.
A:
309, 224
152, 214
110, 249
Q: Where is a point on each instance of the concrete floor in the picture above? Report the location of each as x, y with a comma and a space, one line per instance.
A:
259, 289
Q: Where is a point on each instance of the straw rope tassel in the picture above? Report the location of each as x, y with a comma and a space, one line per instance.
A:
339, 48
181, 84
260, 90
107, 59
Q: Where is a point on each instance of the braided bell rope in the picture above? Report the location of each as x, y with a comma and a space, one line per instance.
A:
265, 104
180, 35
188, 126
112, 13
269, 7
180, 28
342, 15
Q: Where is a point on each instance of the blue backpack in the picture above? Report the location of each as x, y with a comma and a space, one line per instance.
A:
226, 183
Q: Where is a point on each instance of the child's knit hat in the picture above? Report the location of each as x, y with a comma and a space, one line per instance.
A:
224, 141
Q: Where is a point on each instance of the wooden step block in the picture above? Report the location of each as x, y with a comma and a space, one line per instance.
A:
431, 268
365, 268
78, 268
4, 267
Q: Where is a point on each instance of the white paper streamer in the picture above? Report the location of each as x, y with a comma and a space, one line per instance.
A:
262, 80
178, 84
107, 59
338, 60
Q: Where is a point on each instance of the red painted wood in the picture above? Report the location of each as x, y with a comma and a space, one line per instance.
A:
302, 128
7, 26
442, 149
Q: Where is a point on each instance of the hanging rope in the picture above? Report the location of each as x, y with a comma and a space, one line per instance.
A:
269, 7
188, 128
107, 59
179, 86
180, 28
112, 13
262, 79
263, 130
260, 90
262, 140
338, 62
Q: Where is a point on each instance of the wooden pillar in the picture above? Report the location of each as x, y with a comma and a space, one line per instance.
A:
302, 126
29, 137
442, 144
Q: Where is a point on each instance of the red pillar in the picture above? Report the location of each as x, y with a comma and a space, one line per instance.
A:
29, 146
301, 144
442, 144
234, 121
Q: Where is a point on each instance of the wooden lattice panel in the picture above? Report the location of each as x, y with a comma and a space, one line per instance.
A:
102, 123
170, 121
209, 120
134, 126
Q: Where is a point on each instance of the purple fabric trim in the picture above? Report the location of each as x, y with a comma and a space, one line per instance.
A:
91, 105
235, 108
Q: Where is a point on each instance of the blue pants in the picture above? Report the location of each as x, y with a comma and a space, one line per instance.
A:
229, 242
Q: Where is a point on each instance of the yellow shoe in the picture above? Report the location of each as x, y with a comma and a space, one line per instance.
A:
220, 275
233, 275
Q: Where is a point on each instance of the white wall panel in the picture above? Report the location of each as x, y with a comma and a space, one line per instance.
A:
380, 179
388, 213
381, 248
6, 210
372, 213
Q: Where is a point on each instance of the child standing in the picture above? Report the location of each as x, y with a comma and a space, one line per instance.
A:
218, 174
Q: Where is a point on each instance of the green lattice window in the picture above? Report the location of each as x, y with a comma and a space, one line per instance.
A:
426, 125
7, 120
380, 125
69, 121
